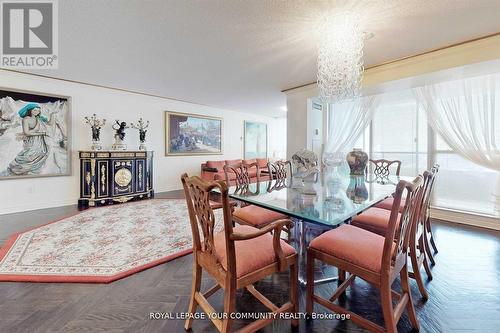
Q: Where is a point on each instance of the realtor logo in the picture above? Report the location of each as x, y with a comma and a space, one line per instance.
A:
29, 34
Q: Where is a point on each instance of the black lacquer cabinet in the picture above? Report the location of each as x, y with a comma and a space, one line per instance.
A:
108, 177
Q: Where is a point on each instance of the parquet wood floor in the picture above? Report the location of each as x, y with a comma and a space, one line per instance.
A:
464, 294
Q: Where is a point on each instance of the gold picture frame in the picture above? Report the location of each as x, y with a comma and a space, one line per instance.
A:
191, 140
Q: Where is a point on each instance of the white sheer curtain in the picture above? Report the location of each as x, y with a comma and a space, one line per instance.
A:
347, 121
466, 114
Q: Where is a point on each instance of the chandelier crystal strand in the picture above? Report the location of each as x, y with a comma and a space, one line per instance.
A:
340, 57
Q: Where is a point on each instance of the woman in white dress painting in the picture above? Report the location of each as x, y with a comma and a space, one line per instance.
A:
36, 142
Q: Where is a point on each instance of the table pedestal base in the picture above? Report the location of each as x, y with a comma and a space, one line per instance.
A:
302, 234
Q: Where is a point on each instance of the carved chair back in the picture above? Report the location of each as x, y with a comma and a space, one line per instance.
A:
382, 167
429, 177
279, 172
280, 169
400, 234
203, 221
426, 205
242, 180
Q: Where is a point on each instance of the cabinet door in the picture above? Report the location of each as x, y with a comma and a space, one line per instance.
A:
85, 178
103, 175
140, 167
123, 177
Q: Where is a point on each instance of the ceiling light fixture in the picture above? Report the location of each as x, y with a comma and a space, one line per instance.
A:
340, 57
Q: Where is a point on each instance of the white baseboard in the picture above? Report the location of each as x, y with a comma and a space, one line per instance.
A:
28, 206
477, 220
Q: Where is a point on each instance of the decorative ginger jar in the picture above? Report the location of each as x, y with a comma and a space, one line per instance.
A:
357, 160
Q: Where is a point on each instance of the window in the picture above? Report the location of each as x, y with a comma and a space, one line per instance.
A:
463, 185
399, 131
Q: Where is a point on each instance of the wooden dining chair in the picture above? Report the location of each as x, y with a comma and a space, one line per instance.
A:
251, 215
376, 220
371, 257
418, 243
280, 173
382, 169
280, 170
236, 257
428, 235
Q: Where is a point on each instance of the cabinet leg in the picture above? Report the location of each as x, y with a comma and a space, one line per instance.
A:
83, 204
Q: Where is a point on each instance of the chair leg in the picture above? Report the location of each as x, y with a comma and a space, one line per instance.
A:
423, 251
294, 292
310, 283
431, 238
416, 271
387, 309
428, 251
433, 244
229, 307
405, 286
194, 289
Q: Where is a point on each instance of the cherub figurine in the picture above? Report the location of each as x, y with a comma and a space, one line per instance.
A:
120, 130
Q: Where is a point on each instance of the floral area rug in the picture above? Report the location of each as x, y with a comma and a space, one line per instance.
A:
100, 245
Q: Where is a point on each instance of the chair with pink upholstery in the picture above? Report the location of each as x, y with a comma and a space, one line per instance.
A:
379, 260
235, 257
428, 235
376, 220
382, 169
252, 215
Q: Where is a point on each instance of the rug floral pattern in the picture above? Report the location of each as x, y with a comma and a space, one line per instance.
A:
103, 241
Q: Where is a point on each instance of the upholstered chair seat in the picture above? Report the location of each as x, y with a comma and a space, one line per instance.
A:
236, 257
252, 254
387, 204
251, 215
352, 244
256, 216
374, 220
376, 259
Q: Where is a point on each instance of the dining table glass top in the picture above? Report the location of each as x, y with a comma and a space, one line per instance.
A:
327, 199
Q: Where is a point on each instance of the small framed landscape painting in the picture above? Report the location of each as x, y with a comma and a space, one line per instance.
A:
255, 142
34, 134
191, 134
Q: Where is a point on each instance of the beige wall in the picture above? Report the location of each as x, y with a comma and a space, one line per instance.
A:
34, 193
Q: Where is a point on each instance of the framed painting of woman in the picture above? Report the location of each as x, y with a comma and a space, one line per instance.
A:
34, 134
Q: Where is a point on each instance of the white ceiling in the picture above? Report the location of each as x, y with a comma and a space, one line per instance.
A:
240, 55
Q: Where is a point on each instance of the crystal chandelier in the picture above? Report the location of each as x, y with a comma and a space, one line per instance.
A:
340, 57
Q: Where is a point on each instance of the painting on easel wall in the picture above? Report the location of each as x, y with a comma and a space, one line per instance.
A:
34, 134
191, 134
255, 140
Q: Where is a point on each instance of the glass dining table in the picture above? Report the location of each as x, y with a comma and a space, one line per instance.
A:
317, 205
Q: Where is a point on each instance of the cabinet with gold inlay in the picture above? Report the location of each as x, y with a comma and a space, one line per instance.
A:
108, 177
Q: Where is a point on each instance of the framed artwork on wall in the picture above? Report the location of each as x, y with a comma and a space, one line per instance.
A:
192, 134
35, 133
255, 140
